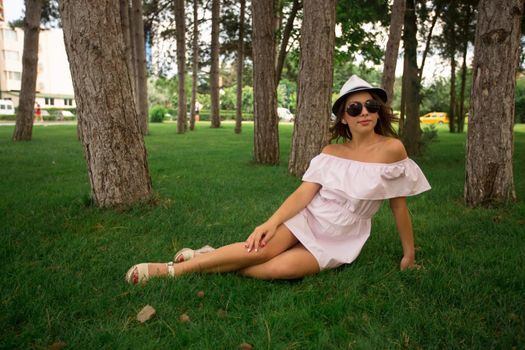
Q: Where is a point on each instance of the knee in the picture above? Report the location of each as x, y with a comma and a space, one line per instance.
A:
260, 255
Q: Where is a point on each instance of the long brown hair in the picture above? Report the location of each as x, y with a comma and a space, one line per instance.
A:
383, 127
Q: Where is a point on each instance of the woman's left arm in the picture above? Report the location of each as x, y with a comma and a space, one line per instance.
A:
404, 226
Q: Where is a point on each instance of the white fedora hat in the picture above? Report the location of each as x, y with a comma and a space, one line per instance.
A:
355, 84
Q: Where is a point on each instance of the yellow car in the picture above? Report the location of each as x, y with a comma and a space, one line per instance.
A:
434, 118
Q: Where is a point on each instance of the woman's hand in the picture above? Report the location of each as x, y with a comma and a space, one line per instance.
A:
408, 262
260, 236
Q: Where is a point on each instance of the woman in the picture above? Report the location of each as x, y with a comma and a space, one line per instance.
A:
327, 220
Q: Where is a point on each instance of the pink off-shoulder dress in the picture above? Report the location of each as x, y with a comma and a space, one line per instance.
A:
335, 225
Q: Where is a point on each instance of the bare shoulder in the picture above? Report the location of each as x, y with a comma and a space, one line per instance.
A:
333, 149
394, 150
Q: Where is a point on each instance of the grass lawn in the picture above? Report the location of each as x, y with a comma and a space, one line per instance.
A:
63, 262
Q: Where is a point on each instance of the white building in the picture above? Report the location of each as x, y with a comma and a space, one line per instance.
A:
54, 86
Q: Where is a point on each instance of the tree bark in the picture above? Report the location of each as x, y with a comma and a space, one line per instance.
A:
402, 107
466, 40
111, 136
450, 35
296, 5
24, 115
240, 65
266, 129
140, 54
214, 73
315, 84
195, 63
461, 116
411, 130
126, 31
489, 178
133, 55
180, 29
392, 47
452, 102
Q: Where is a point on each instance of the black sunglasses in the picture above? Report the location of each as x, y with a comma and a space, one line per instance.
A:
355, 108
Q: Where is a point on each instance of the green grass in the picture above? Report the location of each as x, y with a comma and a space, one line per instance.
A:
63, 262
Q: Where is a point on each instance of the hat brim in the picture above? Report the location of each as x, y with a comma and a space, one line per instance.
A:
378, 91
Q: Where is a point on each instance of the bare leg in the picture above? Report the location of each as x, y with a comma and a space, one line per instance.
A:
232, 257
296, 262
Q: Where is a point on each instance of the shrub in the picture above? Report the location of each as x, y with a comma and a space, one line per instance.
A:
205, 115
430, 134
8, 117
157, 114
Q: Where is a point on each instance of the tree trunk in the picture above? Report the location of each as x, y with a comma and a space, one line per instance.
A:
411, 130
461, 116
24, 115
195, 63
315, 84
287, 32
126, 31
403, 105
180, 29
450, 35
489, 178
465, 38
392, 48
214, 73
266, 129
429, 39
140, 54
111, 136
133, 56
240, 64
452, 102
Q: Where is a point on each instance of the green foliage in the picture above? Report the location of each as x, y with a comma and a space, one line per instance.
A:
162, 91
63, 260
229, 33
436, 97
247, 99
157, 114
355, 17
520, 101
430, 134
287, 95
291, 65
228, 99
205, 115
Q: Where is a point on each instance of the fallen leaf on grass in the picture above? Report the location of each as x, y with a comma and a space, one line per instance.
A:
200, 294
221, 313
58, 345
184, 318
246, 346
146, 313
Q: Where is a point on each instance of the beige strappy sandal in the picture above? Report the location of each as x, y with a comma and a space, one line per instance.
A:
142, 273
186, 254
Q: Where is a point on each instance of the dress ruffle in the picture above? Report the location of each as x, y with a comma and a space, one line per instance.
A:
363, 180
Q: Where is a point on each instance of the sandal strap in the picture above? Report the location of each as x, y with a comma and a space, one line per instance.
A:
171, 269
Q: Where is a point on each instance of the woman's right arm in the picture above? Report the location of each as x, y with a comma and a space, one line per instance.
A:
290, 207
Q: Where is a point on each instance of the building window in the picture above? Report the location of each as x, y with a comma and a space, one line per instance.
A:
50, 101
68, 102
12, 56
14, 76
10, 35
